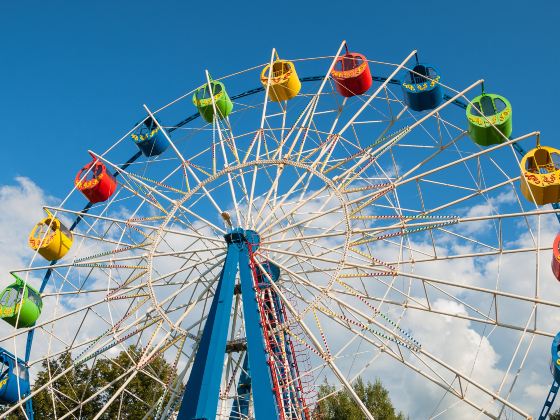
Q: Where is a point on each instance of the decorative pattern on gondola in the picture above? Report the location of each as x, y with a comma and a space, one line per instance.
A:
146, 136
540, 175
281, 79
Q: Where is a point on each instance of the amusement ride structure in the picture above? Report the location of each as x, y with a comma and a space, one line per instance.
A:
301, 231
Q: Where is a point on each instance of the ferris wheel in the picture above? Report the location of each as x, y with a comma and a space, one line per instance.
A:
366, 221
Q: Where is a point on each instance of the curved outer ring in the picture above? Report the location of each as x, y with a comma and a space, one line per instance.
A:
159, 233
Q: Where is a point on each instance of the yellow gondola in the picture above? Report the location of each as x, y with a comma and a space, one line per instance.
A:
50, 238
540, 175
284, 81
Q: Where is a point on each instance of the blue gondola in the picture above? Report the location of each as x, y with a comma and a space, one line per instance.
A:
555, 370
555, 360
421, 88
271, 269
12, 371
149, 138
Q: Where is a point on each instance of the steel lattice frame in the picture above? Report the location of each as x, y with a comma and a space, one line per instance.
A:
355, 200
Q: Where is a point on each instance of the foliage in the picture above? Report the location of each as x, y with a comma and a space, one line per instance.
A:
103, 378
341, 406
555, 415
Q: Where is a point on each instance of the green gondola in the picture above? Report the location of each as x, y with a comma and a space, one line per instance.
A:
203, 101
12, 305
486, 110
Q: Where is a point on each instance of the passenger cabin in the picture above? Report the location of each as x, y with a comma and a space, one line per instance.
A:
50, 238
351, 74
556, 257
284, 81
540, 175
489, 119
206, 101
20, 304
95, 182
421, 88
271, 269
149, 138
555, 359
13, 375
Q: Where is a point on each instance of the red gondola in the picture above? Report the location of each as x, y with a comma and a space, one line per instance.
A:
351, 74
97, 185
556, 257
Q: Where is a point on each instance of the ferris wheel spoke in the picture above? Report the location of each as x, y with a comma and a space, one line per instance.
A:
371, 216
428, 280
426, 373
216, 127
186, 210
406, 178
328, 166
336, 371
336, 209
182, 269
483, 291
400, 357
350, 172
116, 394
275, 208
189, 283
313, 109
327, 292
103, 389
168, 199
259, 138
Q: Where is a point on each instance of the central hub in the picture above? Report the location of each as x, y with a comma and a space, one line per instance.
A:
294, 226
239, 236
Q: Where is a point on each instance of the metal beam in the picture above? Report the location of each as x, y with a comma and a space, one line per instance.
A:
200, 399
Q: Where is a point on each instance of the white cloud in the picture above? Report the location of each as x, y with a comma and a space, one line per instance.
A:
21, 209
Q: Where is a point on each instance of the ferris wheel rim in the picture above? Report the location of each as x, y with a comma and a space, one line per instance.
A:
137, 153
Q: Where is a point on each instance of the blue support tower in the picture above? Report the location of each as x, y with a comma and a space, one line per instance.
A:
200, 399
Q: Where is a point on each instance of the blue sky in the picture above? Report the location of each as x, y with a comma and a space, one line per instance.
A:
75, 74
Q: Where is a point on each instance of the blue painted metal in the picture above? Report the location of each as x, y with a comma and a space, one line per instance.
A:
271, 269
200, 399
549, 401
253, 239
240, 407
47, 276
555, 370
263, 395
421, 94
14, 381
555, 358
457, 102
149, 138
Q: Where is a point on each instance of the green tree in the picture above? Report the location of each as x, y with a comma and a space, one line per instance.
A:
103, 378
555, 415
340, 405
